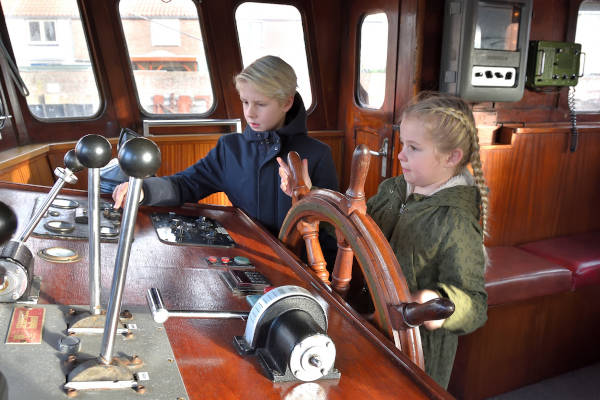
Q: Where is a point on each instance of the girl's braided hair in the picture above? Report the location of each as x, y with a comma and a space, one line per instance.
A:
450, 123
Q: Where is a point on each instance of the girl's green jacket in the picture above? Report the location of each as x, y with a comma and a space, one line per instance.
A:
438, 243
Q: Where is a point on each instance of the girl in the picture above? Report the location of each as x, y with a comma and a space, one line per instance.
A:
244, 166
430, 215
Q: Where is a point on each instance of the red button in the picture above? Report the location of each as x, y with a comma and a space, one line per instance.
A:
225, 260
212, 259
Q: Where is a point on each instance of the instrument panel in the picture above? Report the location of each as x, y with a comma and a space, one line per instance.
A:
173, 228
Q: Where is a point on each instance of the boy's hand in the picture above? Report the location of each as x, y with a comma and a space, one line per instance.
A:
286, 176
119, 194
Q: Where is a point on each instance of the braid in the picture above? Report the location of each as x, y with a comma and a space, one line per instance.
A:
475, 158
455, 128
480, 181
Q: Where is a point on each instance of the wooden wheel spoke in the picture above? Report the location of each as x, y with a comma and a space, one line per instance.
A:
342, 270
309, 229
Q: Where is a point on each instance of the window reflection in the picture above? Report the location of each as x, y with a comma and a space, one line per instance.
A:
53, 59
370, 90
274, 29
166, 49
587, 91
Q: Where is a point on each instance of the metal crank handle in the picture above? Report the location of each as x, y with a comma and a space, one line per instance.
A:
64, 175
160, 313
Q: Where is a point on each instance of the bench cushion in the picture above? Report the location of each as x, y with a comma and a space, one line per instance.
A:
514, 274
580, 253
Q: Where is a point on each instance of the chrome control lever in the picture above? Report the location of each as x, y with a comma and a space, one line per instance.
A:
16, 260
160, 314
139, 158
94, 152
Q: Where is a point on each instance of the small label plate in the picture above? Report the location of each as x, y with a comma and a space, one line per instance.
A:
26, 326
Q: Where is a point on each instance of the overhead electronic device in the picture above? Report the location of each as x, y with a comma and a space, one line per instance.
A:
484, 50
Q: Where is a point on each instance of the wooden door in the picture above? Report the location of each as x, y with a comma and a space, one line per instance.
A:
371, 114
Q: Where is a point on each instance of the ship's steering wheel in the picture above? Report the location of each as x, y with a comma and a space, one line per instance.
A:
358, 236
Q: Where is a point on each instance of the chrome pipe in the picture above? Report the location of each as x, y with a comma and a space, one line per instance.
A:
94, 239
121, 264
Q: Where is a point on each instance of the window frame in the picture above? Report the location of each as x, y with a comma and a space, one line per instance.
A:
23, 105
41, 26
307, 44
214, 79
572, 32
357, 101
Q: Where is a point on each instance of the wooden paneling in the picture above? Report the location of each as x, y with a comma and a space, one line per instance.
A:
538, 188
525, 342
335, 140
178, 153
35, 171
35, 165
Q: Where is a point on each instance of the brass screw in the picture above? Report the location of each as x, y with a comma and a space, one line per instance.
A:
126, 314
128, 334
141, 389
136, 360
71, 393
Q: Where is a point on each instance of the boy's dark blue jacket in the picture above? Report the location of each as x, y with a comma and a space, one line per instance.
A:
244, 166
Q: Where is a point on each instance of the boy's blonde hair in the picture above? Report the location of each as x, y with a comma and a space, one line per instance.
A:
271, 76
450, 124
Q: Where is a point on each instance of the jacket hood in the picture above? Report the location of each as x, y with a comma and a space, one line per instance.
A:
295, 124
460, 192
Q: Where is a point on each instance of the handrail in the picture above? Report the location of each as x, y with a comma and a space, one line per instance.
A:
147, 123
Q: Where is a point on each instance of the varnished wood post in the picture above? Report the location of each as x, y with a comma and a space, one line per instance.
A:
309, 229
355, 201
342, 270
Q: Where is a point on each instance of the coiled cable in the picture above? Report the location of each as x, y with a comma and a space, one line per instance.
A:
573, 118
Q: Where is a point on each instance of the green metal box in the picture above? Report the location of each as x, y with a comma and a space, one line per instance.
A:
552, 64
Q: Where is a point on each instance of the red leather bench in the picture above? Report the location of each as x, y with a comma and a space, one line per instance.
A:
514, 274
580, 253
524, 337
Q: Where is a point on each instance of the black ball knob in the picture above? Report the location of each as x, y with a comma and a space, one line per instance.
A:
8, 222
72, 162
139, 157
93, 151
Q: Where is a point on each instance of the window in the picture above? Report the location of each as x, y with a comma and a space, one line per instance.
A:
166, 49
53, 59
165, 32
587, 91
370, 90
274, 29
42, 31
